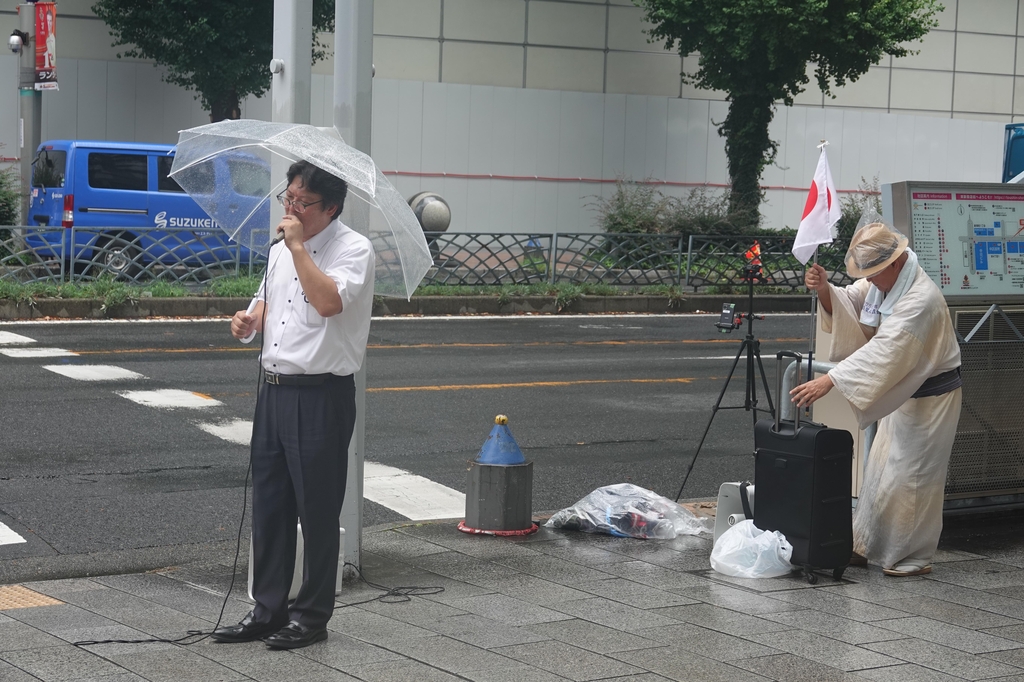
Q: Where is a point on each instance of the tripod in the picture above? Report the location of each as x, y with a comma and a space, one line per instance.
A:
752, 347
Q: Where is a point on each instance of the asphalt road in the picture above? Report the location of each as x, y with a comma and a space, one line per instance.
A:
97, 483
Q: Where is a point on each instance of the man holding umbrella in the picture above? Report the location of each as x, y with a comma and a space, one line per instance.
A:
314, 311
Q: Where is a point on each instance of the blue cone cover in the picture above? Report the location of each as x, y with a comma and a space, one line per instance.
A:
500, 448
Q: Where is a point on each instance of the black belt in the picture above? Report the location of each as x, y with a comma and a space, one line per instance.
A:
940, 384
295, 379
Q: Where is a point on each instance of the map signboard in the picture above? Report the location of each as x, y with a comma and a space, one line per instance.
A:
968, 237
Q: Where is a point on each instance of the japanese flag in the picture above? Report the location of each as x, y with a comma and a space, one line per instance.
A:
821, 212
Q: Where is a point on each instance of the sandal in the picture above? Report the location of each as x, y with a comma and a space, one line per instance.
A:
858, 560
904, 570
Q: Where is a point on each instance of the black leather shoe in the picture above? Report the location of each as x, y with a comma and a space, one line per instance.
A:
246, 631
295, 635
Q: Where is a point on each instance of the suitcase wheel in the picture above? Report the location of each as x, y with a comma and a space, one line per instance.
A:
811, 577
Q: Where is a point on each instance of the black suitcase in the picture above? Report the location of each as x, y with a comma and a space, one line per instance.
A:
803, 473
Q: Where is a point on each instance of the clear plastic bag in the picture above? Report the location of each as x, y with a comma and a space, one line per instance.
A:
627, 510
745, 551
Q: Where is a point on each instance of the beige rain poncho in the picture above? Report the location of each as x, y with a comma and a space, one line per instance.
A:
899, 511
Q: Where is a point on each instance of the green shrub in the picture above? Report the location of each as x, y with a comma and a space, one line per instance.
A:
642, 208
10, 198
633, 208
235, 287
705, 211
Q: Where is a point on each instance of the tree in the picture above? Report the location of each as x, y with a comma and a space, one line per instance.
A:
758, 52
219, 48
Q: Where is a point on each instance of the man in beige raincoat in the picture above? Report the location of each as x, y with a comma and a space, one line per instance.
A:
898, 363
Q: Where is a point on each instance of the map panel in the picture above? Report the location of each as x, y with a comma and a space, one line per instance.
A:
969, 243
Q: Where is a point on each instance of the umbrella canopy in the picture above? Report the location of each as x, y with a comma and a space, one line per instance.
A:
234, 169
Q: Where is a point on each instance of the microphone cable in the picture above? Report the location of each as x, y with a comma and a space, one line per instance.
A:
197, 636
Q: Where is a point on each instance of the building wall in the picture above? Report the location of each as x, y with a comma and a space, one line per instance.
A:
561, 97
970, 66
530, 160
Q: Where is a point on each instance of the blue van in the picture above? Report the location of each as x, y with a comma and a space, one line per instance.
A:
128, 213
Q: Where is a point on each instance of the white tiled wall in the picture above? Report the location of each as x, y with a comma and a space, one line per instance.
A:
586, 137
973, 39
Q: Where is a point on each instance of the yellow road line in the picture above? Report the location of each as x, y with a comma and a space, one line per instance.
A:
534, 344
527, 384
399, 346
127, 351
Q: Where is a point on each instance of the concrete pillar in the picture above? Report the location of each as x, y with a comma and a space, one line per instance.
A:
30, 100
293, 55
353, 73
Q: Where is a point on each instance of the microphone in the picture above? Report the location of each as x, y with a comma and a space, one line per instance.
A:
278, 238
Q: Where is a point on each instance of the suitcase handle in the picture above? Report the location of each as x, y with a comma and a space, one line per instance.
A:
778, 390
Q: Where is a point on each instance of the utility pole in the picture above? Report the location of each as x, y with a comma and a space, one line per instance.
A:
290, 100
353, 73
30, 123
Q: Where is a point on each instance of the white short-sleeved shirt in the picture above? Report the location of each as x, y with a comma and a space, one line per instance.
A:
297, 339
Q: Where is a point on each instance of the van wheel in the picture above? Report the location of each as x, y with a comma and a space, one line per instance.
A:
117, 255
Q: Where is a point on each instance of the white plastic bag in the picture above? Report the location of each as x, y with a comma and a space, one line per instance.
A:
744, 551
627, 510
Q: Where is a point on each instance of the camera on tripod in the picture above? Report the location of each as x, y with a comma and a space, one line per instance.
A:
730, 319
752, 273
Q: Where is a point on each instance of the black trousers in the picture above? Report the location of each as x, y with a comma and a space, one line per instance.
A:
300, 445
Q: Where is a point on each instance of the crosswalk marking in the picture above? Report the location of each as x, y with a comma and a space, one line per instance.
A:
410, 495
170, 398
12, 339
9, 537
235, 431
36, 352
94, 372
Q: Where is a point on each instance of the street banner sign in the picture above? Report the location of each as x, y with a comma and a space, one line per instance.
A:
46, 46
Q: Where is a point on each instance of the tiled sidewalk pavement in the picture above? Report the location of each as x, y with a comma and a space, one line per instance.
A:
547, 607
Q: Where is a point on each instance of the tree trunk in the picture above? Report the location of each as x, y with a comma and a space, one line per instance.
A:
226, 107
748, 150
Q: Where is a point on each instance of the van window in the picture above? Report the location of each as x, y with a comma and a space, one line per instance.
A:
164, 181
249, 178
201, 177
117, 171
48, 169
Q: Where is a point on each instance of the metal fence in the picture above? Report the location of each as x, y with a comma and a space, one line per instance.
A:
82, 254
620, 259
988, 452
53, 254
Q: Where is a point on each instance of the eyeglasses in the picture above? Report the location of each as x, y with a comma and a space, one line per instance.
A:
297, 206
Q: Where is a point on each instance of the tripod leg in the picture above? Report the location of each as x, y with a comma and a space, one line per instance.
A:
767, 392
753, 351
714, 411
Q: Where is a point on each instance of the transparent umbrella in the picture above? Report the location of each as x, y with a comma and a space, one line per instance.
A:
234, 169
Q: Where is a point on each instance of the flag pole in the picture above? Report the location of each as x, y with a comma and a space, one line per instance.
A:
814, 302
814, 324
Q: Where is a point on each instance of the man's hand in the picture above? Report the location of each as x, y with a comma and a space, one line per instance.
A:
242, 324
816, 279
291, 228
807, 393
